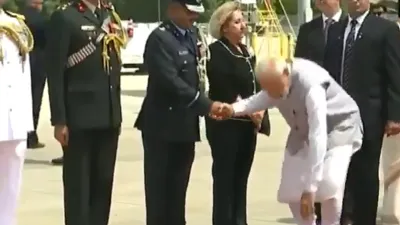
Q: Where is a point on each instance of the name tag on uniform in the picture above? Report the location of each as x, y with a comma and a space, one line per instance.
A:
88, 28
183, 52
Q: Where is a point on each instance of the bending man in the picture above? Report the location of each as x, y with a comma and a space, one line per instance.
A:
326, 130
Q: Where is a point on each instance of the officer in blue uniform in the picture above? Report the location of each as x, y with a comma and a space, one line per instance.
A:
169, 117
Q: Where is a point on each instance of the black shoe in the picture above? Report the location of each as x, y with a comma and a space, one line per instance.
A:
35, 145
57, 161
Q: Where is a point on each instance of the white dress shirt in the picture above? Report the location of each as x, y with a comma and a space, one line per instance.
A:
335, 18
360, 21
316, 106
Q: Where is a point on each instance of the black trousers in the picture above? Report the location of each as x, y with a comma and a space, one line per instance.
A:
233, 146
167, 167
88, 174
360, 201
38, 81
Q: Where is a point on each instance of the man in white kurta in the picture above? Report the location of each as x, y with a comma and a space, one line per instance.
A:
15, 109
326, 130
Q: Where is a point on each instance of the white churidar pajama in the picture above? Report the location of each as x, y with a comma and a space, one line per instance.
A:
330, 189
311, 168
15, 120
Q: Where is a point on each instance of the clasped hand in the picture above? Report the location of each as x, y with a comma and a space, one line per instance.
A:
221, 111
392, 128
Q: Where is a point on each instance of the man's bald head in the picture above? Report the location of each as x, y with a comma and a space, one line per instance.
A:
271, 67
273, 76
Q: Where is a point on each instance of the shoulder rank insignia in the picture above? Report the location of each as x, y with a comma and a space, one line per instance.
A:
64, 6
16, 15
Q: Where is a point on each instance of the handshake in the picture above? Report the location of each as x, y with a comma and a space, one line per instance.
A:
221, 111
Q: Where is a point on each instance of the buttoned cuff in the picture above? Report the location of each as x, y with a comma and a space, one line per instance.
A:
238, 107
201, 104
194, 99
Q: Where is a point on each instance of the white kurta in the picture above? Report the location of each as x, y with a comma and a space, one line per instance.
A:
16, 118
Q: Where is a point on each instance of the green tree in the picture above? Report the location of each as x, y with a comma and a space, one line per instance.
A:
290, 6
17, 5
10, 5
50, 5
210, 6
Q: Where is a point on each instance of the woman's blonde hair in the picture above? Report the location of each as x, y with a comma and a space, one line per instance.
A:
220, 16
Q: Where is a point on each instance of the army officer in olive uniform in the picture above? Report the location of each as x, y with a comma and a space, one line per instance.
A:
83, 54
169, 117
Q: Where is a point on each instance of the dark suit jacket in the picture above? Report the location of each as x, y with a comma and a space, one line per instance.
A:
311, 41
230, 74
174, 101
37, 23
84, 96
375, 69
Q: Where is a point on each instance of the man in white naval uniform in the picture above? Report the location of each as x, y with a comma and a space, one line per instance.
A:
326, 130
15, 108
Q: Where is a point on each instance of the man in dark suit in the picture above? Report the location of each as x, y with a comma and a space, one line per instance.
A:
84, 92
37, 24
363, 55
312, 35
169, 117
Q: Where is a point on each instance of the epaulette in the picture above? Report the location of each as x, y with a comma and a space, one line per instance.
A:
15, 15
64, 6
162, 28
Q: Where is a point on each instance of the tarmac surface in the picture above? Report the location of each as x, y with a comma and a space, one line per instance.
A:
42, 197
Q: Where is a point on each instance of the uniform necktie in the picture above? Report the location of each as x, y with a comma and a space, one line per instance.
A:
328, 23
187, 36
348, 53
188, 39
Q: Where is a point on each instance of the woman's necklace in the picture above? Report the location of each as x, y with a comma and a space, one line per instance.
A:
248, 61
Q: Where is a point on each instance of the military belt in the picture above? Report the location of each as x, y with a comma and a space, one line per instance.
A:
84, 52
81, 55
